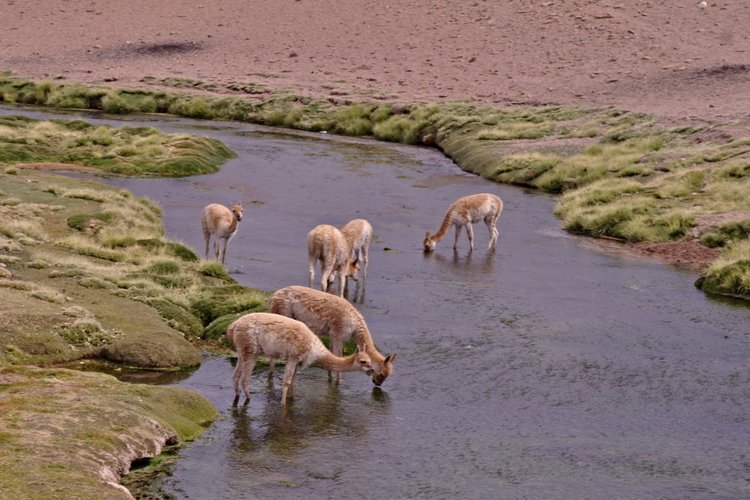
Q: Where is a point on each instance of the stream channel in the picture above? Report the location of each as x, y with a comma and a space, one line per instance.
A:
554, 367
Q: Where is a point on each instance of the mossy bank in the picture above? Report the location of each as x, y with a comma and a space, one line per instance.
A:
85, 271
622, 175
70, 434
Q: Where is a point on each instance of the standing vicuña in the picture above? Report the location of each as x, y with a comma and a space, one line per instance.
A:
221, 222
326, 314
329, 246
358, 233
279, 337
473, 208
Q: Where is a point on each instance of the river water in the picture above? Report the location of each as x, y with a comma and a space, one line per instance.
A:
554, 367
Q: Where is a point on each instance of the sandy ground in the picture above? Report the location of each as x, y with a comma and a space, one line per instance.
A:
673, 58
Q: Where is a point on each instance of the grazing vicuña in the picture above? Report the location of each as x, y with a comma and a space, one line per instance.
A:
328, 245
358, 233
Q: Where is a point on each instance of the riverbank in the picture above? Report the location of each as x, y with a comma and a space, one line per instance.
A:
666, 190
69, 434
86, 273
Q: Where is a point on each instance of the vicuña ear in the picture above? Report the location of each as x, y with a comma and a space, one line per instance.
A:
427, 235
390, 358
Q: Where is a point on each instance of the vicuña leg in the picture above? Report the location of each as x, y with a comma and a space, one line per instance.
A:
342, 283
364, 259
224, 249
493, 233
289, 372
458, 233
325, 278
470, 234
241, 376
217, 247
311, 271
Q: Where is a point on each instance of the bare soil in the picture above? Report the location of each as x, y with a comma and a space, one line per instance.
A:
672, 58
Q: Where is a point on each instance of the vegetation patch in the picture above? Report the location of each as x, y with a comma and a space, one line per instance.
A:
125, 150
218, 301
136, 287
730, 274
110, 424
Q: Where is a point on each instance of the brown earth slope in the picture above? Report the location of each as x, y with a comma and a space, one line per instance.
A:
672, 58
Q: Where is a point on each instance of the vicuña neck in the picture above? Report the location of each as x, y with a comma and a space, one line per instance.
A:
444, 226
368, 344
333, 363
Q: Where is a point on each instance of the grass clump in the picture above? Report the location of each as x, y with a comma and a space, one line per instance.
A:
726, 233
181, 251
217, 329
82, 222
213, 269
164, 267
730, 274
125, 150
227, 299
86, 333
522, 130
84, 246
521, 169
177, 316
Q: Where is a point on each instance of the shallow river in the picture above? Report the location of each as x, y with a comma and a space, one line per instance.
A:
551, 368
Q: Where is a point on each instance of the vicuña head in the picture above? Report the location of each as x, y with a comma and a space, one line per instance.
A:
429, 242
237, 211
378, 377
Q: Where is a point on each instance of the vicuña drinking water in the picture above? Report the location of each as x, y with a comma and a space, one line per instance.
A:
326, 314
463, 212
279, 337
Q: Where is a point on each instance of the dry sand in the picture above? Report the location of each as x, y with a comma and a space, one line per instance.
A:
671, 58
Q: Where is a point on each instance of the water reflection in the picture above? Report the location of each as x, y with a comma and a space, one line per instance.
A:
380, 396
467, 263
318, 409
133, 375
358, 294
